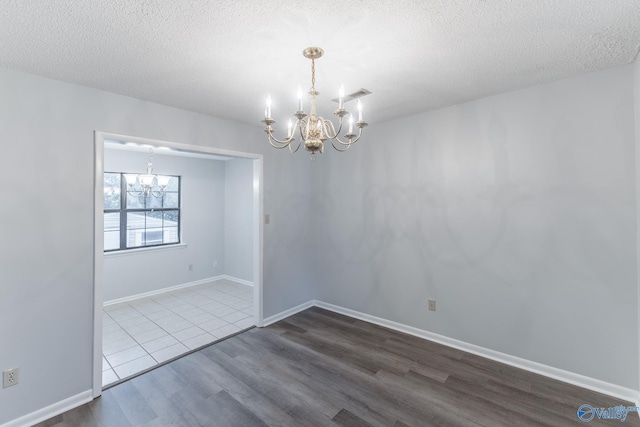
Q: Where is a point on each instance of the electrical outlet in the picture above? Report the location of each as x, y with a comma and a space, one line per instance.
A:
190, 267
432, 305
267, 219
10, 377
215, 264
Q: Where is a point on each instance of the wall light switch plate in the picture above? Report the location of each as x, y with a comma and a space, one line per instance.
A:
267, 218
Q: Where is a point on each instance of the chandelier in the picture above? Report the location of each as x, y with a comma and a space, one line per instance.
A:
147, 184
313, 129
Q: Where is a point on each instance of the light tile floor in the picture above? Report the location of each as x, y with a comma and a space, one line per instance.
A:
139, 334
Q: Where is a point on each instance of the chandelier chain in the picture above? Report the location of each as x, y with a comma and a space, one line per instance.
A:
313, 75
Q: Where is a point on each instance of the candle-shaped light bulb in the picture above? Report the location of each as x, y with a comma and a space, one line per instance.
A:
359, 111
350, 123
300, 99
289, 129
341, 97
267, 112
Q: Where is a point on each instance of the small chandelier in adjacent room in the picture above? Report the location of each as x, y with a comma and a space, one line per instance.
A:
315, 130
147, 184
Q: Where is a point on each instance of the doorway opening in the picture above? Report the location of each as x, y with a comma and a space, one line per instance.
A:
152, 304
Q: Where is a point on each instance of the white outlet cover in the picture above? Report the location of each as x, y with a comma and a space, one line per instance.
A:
10, 377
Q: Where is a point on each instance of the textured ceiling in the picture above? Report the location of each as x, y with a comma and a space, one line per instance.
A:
223, 57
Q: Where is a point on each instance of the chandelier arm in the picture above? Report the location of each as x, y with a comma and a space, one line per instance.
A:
273, 144
285, 142
286, 145
279, 147
297, 147
336, 136
339, 127
135, 193
345, 143
342, 148
336, 132
289, 144
351, 140
329, 128
302, 123
357, 137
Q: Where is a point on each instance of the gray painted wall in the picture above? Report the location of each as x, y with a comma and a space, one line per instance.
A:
203, 223
46, 260
238, 214
517, 213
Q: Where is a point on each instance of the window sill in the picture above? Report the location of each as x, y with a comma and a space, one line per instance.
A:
144, 250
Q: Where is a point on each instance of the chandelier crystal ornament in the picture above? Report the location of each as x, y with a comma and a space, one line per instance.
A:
148, 183
313, 129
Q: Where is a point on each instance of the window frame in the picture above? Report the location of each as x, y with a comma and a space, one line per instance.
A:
123, 211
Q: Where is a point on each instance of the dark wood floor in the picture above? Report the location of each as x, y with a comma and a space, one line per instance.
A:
318, 368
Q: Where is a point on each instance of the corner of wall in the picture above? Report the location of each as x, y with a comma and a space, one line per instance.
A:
636, 98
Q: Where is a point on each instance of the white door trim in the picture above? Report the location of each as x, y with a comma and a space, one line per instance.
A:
98, 258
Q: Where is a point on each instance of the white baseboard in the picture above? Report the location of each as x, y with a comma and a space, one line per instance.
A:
176, 287
86, 396
237, 280
528, 365
290, 312
163, 290
51, 410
